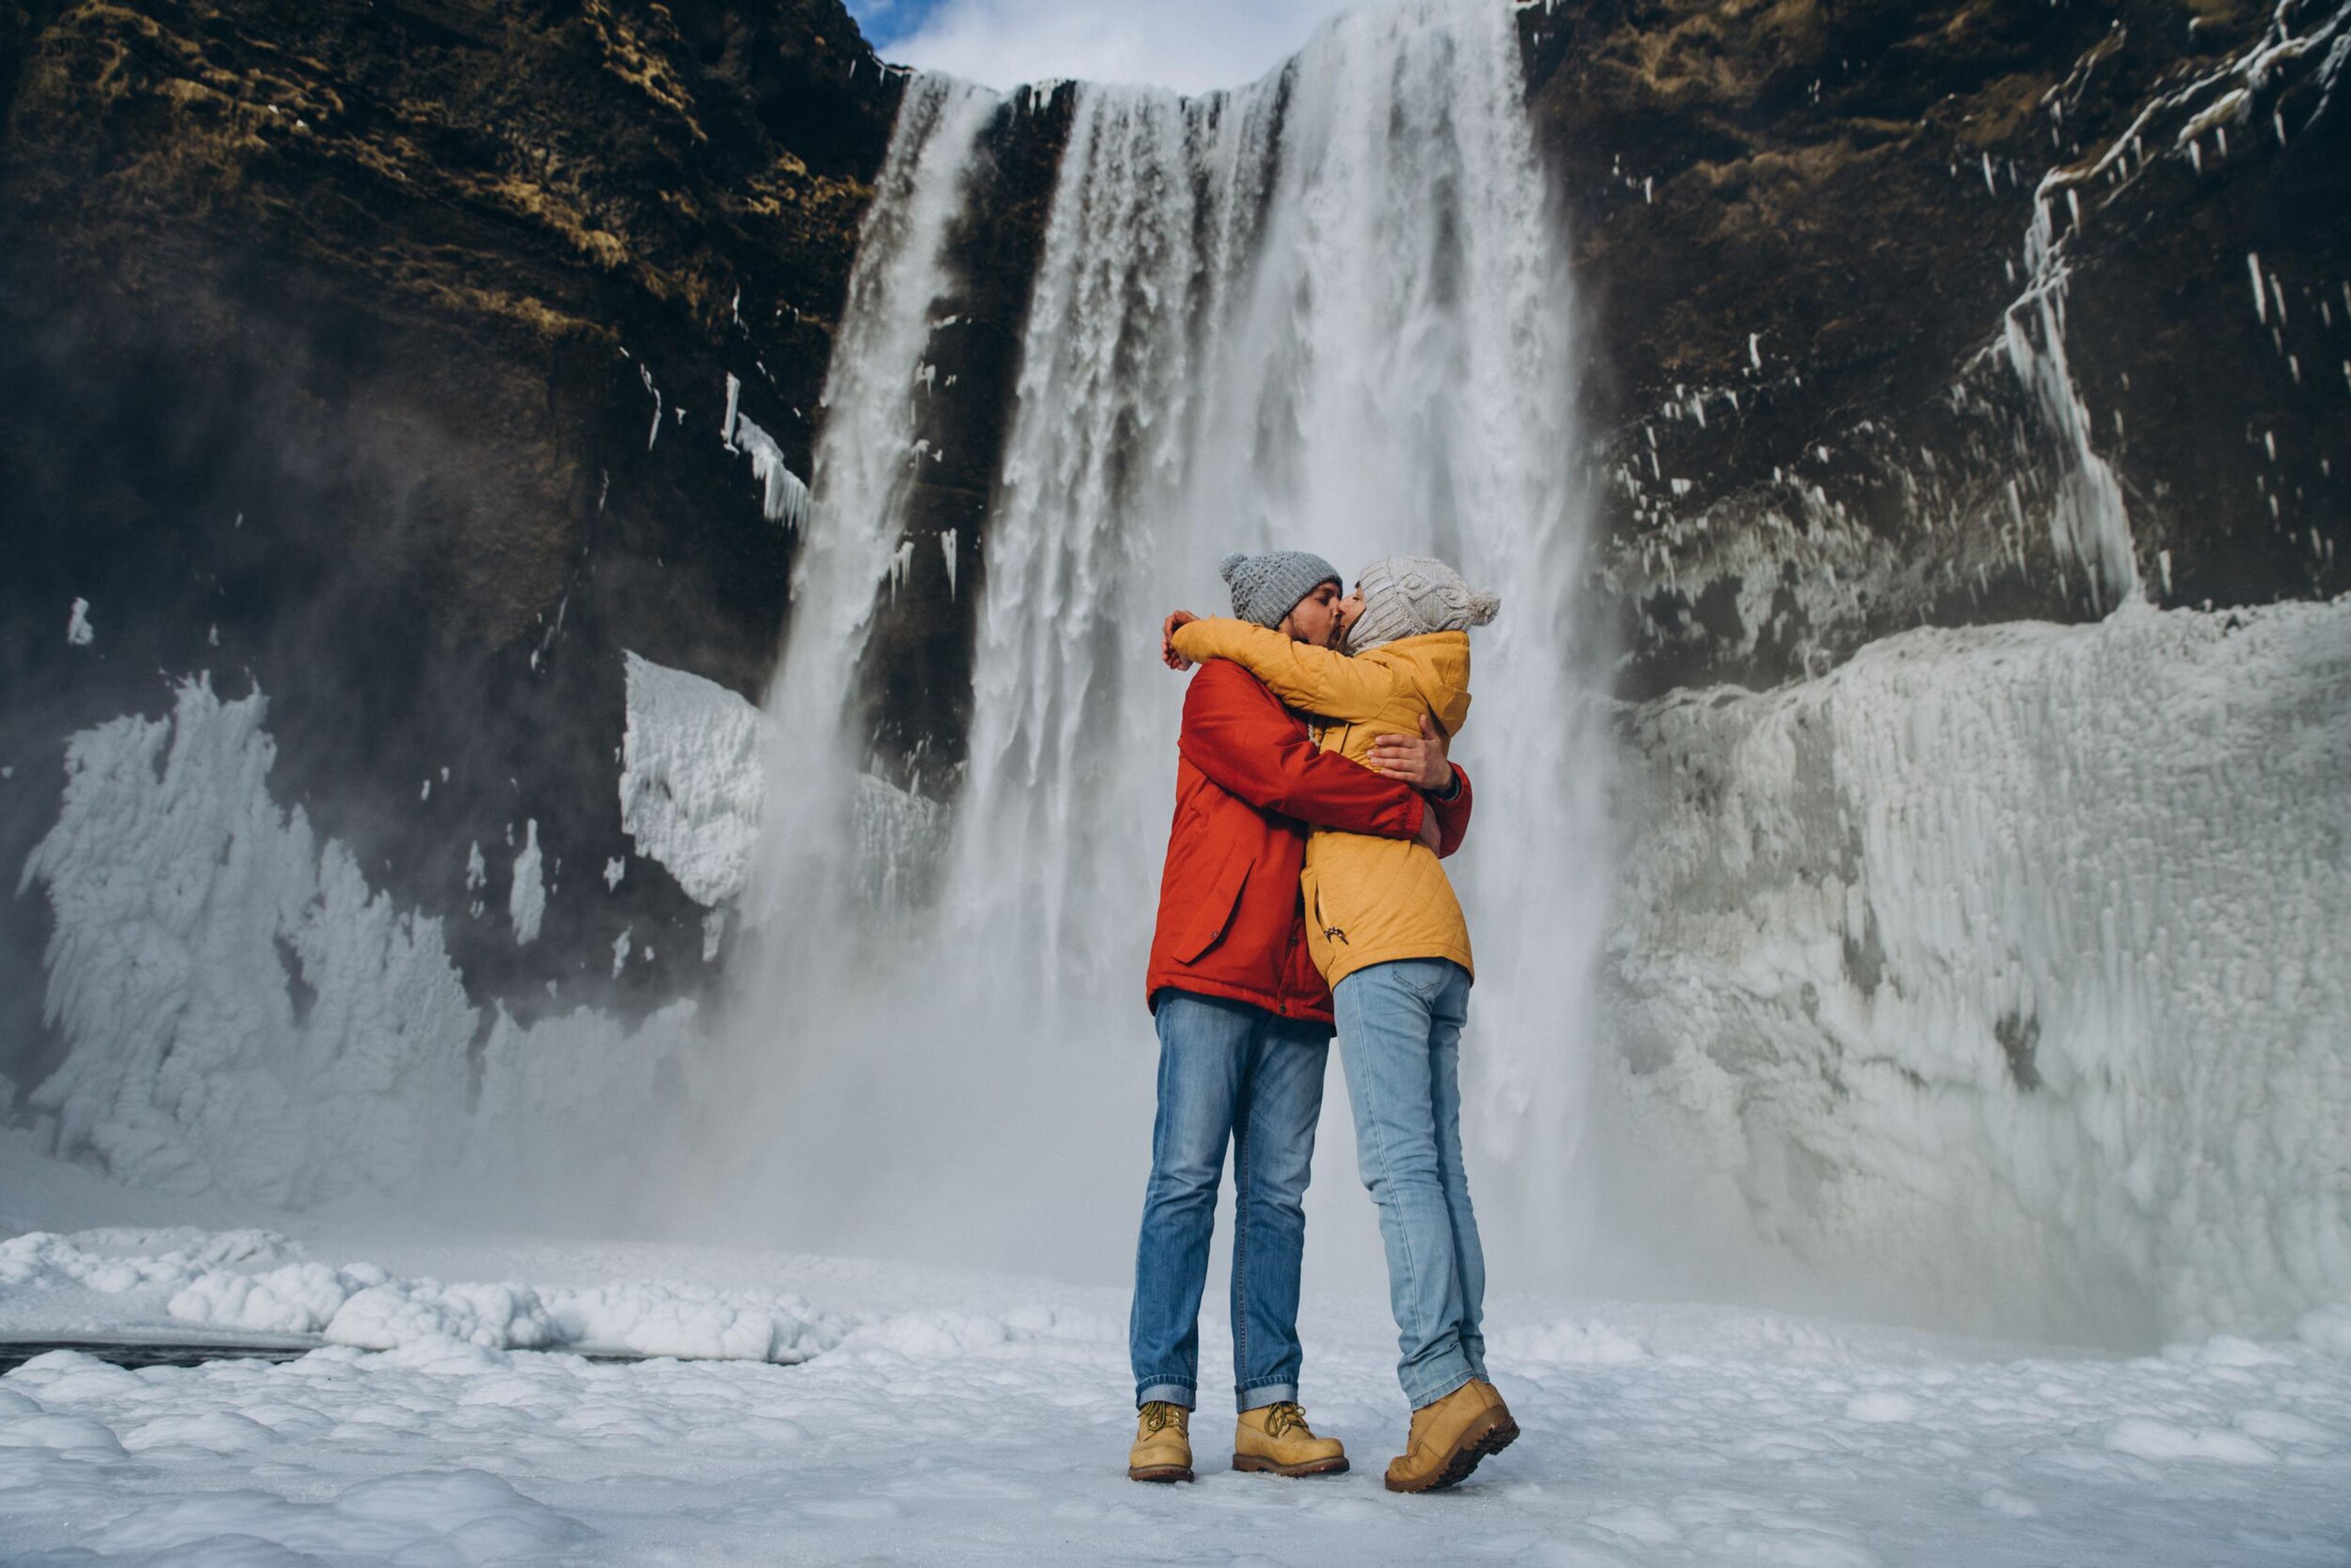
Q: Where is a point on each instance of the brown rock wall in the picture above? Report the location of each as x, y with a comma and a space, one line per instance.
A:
1800, 227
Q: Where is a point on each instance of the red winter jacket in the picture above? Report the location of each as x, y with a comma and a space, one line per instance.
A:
1248, 785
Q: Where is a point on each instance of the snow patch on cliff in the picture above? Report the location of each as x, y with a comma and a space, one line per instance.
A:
690, 778
2009, 962
527, 899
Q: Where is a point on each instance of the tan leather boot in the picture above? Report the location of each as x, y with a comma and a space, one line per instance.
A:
1449, 1436
1162, 1444
1275, 1438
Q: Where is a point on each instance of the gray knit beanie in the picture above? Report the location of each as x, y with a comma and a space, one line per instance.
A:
1411, 596
1268, 586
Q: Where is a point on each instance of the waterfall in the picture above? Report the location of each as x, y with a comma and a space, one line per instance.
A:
2089, 522
861, 473
1329, 311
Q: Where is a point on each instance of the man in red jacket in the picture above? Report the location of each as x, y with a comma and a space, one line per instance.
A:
1244, 1022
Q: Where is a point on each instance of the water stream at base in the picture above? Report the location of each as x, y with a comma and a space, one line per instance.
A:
1331, 311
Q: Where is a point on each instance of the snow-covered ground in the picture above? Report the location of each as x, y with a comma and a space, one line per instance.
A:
941, 1416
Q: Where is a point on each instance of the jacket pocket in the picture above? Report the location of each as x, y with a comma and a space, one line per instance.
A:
1323, 939
1215, 915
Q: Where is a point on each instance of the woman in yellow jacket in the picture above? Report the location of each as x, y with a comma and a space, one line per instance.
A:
1388, 933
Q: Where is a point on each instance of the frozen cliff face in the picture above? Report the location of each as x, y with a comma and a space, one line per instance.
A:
2011, 962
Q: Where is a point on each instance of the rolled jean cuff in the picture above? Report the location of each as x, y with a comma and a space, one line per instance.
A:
1432, 1382
1266, 1394
1165, 1390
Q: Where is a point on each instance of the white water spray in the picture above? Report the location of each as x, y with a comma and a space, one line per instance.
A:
1326, 311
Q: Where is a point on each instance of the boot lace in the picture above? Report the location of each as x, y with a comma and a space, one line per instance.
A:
1286, 1417
1159, 1415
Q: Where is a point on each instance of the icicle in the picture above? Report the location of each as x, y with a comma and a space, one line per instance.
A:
784, 495
947, 550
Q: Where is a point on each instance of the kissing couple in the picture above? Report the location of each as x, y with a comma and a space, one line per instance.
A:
1314, 801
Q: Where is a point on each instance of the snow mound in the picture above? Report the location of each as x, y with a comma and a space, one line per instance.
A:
2006, 963
690, 778
693, 1323
256, 1282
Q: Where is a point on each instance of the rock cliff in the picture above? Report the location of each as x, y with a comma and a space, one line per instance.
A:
1827, 396
378, 351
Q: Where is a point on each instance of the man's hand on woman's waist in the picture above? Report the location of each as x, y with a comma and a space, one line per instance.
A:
1417, 760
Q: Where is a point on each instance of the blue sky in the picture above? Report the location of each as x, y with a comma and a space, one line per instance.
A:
885, 22
1185, 44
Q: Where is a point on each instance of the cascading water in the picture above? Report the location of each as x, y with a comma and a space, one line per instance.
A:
863, 467
1329, 311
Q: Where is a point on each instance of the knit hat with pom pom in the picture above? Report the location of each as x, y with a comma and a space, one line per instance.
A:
1411, 596
1268, 586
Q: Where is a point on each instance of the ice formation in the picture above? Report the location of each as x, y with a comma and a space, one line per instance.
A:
572, 1109
241, 1010
527, 898
2009, 961
78, 627
245, 1016
690, 778
783, 496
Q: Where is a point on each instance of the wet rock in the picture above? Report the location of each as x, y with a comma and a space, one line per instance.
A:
1801, 231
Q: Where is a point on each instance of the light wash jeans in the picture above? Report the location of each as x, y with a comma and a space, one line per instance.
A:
1400, 1043
1229, 1072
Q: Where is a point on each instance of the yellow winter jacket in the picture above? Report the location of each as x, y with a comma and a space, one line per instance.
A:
1368, 900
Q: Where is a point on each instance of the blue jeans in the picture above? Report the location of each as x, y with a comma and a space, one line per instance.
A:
1400, 1043
1229, 1072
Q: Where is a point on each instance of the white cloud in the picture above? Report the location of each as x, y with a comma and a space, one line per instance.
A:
1192, 47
